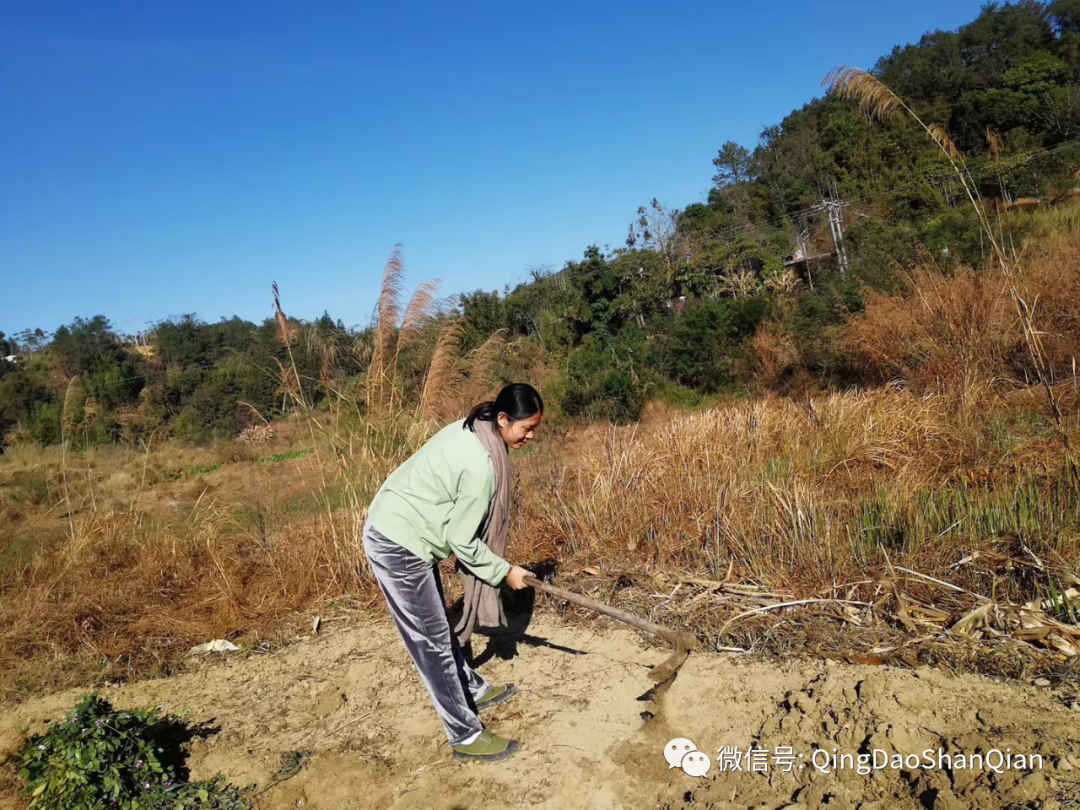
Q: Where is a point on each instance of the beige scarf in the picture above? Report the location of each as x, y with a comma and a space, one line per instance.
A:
482, 603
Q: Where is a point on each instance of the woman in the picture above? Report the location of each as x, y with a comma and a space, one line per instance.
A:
453, 497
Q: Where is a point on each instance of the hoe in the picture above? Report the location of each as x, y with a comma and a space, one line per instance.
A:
683, 642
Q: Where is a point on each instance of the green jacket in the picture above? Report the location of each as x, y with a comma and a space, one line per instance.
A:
434, 503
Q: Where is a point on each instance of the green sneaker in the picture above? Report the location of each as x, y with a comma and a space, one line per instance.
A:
489, 747
496, 695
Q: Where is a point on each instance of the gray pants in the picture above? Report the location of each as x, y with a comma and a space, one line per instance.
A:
413, 590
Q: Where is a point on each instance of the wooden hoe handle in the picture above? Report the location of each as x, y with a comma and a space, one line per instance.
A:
685, 641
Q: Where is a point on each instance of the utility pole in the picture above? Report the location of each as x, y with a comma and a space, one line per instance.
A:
833, 208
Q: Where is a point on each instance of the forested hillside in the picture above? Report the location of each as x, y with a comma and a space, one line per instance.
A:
753, 287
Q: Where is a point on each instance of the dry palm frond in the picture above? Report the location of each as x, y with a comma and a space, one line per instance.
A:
439, 384
994, 142
286, 332
863, 88
481, 363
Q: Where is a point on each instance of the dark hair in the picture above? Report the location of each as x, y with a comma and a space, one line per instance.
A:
517, 400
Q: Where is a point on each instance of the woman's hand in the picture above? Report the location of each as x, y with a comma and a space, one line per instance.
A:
516, 578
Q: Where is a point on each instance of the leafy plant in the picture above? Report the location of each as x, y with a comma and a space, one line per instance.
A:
287, 456
202, 469
99, 757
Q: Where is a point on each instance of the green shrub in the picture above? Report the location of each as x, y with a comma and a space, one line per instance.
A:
616, 396
574, 401
98, 757
620, 397
44, 424
680, 396
596, 388
704, 348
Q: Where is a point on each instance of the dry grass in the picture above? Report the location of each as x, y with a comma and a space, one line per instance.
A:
791, 496
958, 335
161, 555
768, 485
815, 501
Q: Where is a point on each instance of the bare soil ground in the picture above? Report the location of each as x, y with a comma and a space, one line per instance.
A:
352, 698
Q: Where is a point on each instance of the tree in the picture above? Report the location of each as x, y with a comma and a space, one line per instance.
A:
484, 310
21, 391
656, 228
1037, 75
84, 346
1001, 37
734, 165
183, 341
1065, 15
705, 346
32, 340
734, 171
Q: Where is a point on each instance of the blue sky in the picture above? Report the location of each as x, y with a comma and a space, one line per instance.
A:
159, 158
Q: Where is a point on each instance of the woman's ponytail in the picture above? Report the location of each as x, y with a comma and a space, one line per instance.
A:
484, 412
518, 401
